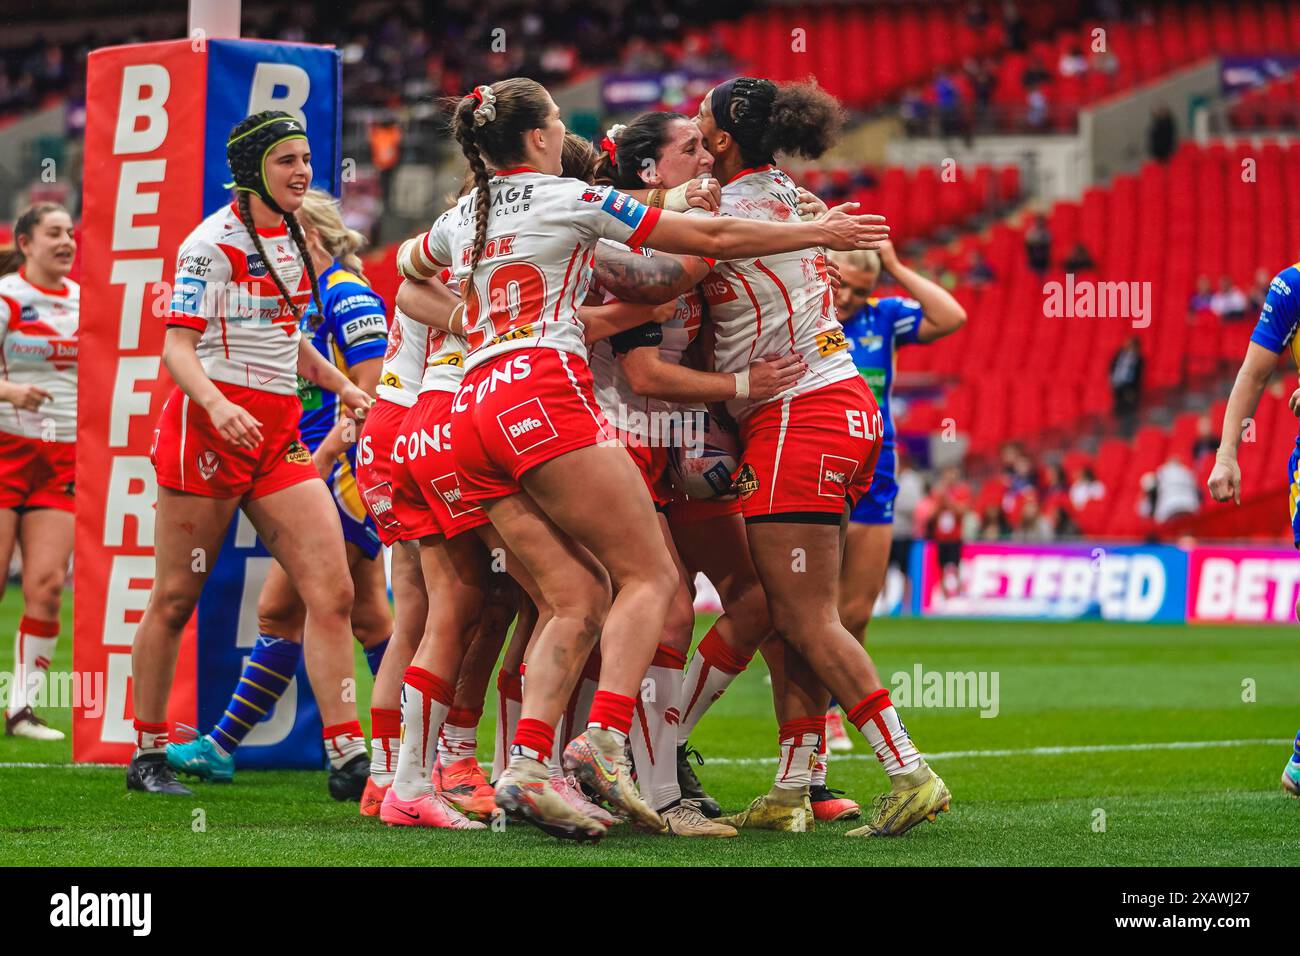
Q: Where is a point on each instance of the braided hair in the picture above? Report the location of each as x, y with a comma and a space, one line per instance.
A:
489, 124
765, 119
247, 149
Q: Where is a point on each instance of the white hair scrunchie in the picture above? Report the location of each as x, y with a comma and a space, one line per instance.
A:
486, 111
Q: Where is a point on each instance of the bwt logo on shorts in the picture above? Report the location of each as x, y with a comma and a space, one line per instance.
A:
448, 488
526, 425
836, 473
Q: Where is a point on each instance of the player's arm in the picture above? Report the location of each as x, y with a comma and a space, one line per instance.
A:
432, 304
27, 397
943, 314
235, 424
651, 376
365, 376
655, 279
314, 368
1252, 378
731, 237
617, 318
703, 193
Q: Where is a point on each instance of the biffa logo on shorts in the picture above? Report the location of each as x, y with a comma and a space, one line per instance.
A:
836, 473
526, 425
448, 488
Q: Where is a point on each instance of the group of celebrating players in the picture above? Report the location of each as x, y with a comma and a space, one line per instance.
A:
674, 272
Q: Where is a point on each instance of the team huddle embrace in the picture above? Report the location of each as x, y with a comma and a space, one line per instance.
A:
505, 435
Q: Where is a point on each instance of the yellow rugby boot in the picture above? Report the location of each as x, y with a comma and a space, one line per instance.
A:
915, 796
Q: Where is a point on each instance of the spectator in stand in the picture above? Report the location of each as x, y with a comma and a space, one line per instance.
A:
1207, 440
1202, 297
980, 272
993, 524
1104, 61
1258, 292
1035, 74
1162, 134
915, 112
1056, 503
1014, 28
1086, 488
1079, 259
977, 18
1073, 62
1170, 491
1229, 303
1033, 524
1126, 384
1038, 245
385, 151
948, 104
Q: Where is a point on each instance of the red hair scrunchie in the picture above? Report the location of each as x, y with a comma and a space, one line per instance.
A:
611, 149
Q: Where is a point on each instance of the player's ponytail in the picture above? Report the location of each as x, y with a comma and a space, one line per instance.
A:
633, 149
766, 119
489, 124
299, 240
578, 158
320, 212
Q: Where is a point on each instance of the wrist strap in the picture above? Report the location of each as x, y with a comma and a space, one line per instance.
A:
656, 199
742, 384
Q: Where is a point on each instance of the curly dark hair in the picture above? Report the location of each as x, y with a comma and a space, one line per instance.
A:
797, 118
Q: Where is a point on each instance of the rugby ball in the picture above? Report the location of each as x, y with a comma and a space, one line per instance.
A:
702, 464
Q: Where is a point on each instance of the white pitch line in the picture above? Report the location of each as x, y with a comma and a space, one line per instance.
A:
940, 755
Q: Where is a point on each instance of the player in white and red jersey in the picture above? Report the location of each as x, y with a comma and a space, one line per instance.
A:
39, 311
532, 447
807, 456
654, 399
228, 438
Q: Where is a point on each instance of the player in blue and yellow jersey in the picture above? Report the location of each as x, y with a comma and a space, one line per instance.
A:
875, 328
1274, 332
350, 331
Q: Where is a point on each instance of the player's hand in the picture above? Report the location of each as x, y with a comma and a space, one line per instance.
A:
356, 401
773, 374
888, 256
844, 231
324, 463
809, 207
235, 424
26, 397
833, 275
1225, 480
703, 193
1294, 403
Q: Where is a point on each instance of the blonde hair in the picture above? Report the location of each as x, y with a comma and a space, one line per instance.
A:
320, 211
864, 260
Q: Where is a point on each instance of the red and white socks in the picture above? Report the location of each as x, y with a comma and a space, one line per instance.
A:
150, 738
34, 646
344, 743
385, 740
801, 739
713, 668
510, 697
534, 740
821, 764
426, 700
612, 712
875, 716
654, 729
459, 737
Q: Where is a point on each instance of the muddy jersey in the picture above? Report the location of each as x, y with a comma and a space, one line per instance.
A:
38, 346
614, 392
774, 304
536, 267
224, 290
408, 349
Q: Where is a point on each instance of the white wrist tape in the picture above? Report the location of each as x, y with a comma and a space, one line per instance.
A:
742, 384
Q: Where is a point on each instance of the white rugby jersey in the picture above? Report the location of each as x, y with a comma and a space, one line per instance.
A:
408, 349
38, 346
627, 411
536, 268
774, 304
224, 290
444, 366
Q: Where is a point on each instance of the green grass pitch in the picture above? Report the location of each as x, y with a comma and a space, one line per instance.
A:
1017, 799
